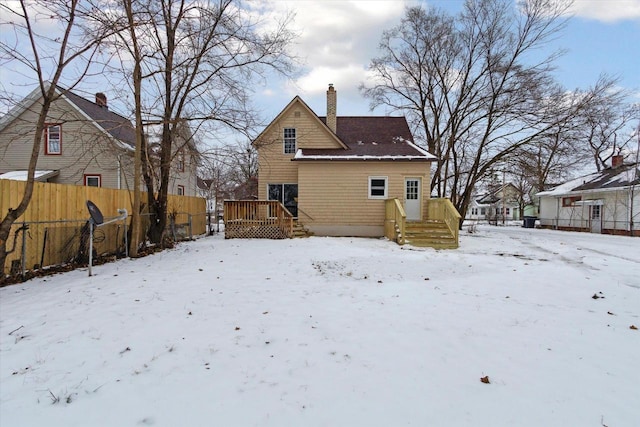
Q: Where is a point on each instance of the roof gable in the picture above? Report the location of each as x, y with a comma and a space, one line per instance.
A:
506, 191
298, 102
113, 124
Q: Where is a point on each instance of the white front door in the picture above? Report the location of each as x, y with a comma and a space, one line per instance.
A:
596, 218
413, 198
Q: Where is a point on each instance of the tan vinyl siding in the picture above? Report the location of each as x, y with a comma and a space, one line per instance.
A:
85, 149
337, 192
275, 165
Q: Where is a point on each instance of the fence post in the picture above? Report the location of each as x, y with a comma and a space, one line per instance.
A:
190, 228
126, 239
90, 244
23, 255
172, 226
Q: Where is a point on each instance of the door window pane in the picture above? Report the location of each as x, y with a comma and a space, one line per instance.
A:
412, 190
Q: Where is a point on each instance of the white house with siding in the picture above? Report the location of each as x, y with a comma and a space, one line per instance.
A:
605, 202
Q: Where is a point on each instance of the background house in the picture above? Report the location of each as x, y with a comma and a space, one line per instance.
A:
183, 178
335, 173
498, 203
601, 202
84, 143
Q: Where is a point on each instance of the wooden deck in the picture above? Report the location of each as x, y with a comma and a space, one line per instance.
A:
257, 219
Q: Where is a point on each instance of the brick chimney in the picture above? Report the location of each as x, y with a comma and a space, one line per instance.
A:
617, 160
331, 108
101, 100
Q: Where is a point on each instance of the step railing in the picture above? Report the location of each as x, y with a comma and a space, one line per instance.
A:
442, 209
395, 220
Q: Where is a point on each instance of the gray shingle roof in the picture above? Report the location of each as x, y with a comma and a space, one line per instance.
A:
621, 176
116, 125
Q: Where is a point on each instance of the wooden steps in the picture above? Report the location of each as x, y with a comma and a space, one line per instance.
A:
299, 230
431, 234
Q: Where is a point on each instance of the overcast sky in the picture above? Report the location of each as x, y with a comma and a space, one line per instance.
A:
338, 39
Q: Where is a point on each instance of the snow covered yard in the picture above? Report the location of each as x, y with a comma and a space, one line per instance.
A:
333, 332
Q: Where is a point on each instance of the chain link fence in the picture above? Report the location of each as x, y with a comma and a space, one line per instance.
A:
64, 244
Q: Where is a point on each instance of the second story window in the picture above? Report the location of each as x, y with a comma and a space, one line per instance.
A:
181, 160
53, 139
289, 140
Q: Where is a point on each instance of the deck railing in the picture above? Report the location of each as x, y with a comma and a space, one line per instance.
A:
395, 220
442, 209
257, 219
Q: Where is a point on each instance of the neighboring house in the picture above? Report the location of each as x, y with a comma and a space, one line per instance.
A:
84, 143
499, 203
207, 190
335, 173
183, 178
605, 202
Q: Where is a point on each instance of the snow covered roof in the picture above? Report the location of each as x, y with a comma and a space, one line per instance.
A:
608, 179
41, 175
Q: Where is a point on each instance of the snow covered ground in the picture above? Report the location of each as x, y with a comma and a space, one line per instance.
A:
333, 332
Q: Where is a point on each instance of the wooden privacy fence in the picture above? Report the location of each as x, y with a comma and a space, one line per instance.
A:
57, 213
257, 219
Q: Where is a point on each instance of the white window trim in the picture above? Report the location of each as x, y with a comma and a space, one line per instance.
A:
284, 139
88, 176
59, 139
386, 187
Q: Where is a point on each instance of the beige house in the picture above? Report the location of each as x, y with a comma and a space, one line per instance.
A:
335, 174
499, 203
84, 143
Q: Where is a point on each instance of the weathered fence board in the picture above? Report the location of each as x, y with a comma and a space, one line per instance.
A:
59, 202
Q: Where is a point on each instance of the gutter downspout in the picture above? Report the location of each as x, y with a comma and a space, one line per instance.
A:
557, 212
119, 173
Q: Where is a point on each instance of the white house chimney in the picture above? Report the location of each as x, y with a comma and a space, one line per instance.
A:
331, 108
101, 100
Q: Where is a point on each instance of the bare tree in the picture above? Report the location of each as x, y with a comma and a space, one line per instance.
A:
197, 59
475, 86
60, 48
607, 123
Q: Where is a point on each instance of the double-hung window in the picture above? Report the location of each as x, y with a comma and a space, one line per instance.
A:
378, 187
289, 140
53, 139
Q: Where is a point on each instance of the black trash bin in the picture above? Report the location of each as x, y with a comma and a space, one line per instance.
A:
529, 222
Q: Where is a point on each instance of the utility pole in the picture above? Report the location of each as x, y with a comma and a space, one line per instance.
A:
504, 211
633, 183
